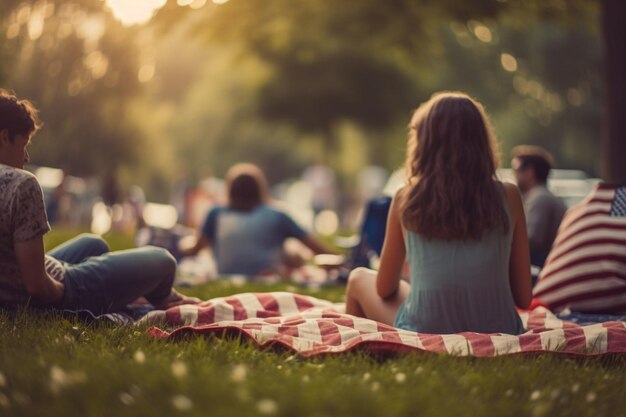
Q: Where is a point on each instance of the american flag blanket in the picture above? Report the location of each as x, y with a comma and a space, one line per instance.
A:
586, 268
310, 326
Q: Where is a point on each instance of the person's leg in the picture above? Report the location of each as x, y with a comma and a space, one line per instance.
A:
362, 299
109, 282
80, 248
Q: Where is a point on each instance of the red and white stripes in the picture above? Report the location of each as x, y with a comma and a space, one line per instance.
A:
586, 269
310, 326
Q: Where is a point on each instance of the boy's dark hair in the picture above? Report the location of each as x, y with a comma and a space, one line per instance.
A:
536, 158
18, 117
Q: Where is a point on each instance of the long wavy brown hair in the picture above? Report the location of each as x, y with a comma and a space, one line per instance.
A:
452, 192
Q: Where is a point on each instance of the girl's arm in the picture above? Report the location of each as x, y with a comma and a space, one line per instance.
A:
30, 257
393, 254
519, 263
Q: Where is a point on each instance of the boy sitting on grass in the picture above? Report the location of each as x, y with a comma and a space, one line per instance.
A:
79, 275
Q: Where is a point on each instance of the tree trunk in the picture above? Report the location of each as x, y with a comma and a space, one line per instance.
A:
613, 166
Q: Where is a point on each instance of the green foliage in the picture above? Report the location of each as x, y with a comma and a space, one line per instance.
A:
276, 82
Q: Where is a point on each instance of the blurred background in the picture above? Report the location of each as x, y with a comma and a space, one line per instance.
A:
146, 103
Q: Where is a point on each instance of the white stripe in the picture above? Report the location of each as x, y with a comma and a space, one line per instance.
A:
601, 303
552, 322
457, 345
286, 303
250, 303
504, 344
371, 336
584, 288
597, 233
585, 252
347, 333
579, 223
267, 332
568, 274
596, 336
188, 314
604, 194
301, 345
310, 330
410, 339
224, 311
524, 316
365, 325
553, 340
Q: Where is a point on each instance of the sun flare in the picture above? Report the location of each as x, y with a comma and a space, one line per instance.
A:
134, 12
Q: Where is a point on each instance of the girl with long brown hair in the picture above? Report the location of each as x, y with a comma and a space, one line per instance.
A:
462, 232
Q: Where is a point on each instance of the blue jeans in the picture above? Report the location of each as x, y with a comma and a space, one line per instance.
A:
103, 282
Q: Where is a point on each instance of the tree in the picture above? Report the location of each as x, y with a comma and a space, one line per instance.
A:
614, 143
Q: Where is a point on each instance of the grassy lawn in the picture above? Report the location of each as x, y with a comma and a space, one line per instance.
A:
51, 366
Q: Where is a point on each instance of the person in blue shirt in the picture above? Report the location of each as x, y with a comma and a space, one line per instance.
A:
247, 236
462, 232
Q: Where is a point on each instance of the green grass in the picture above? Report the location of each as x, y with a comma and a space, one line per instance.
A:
52, 366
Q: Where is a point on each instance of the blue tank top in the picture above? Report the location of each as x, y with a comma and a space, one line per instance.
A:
460, 286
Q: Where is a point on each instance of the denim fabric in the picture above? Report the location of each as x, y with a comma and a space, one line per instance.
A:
103, 282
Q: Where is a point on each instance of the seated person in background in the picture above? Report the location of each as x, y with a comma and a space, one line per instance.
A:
247, 236
586, 269
462, 231
544, 211
79, 275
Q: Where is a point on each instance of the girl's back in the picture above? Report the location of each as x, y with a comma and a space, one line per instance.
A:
459, 285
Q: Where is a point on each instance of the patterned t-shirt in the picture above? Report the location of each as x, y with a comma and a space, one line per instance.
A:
22, 217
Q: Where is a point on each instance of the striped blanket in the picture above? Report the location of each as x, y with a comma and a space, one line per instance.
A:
586, 268
310, 326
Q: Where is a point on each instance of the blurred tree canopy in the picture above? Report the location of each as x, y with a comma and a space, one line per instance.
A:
284, 83
372, 62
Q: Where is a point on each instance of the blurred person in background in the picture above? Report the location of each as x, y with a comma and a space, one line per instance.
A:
544, 211
247, 236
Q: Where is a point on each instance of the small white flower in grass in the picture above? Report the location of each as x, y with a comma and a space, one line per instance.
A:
508, 392
3, 380
375, 386
419, 370
305, 379
267, 406
4, 401
575, 388
535, 395
179, 369
239, 373
60, 379
279, 367
139, 357
400, 377
126, 399
366, 376
591, 397
182, 403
